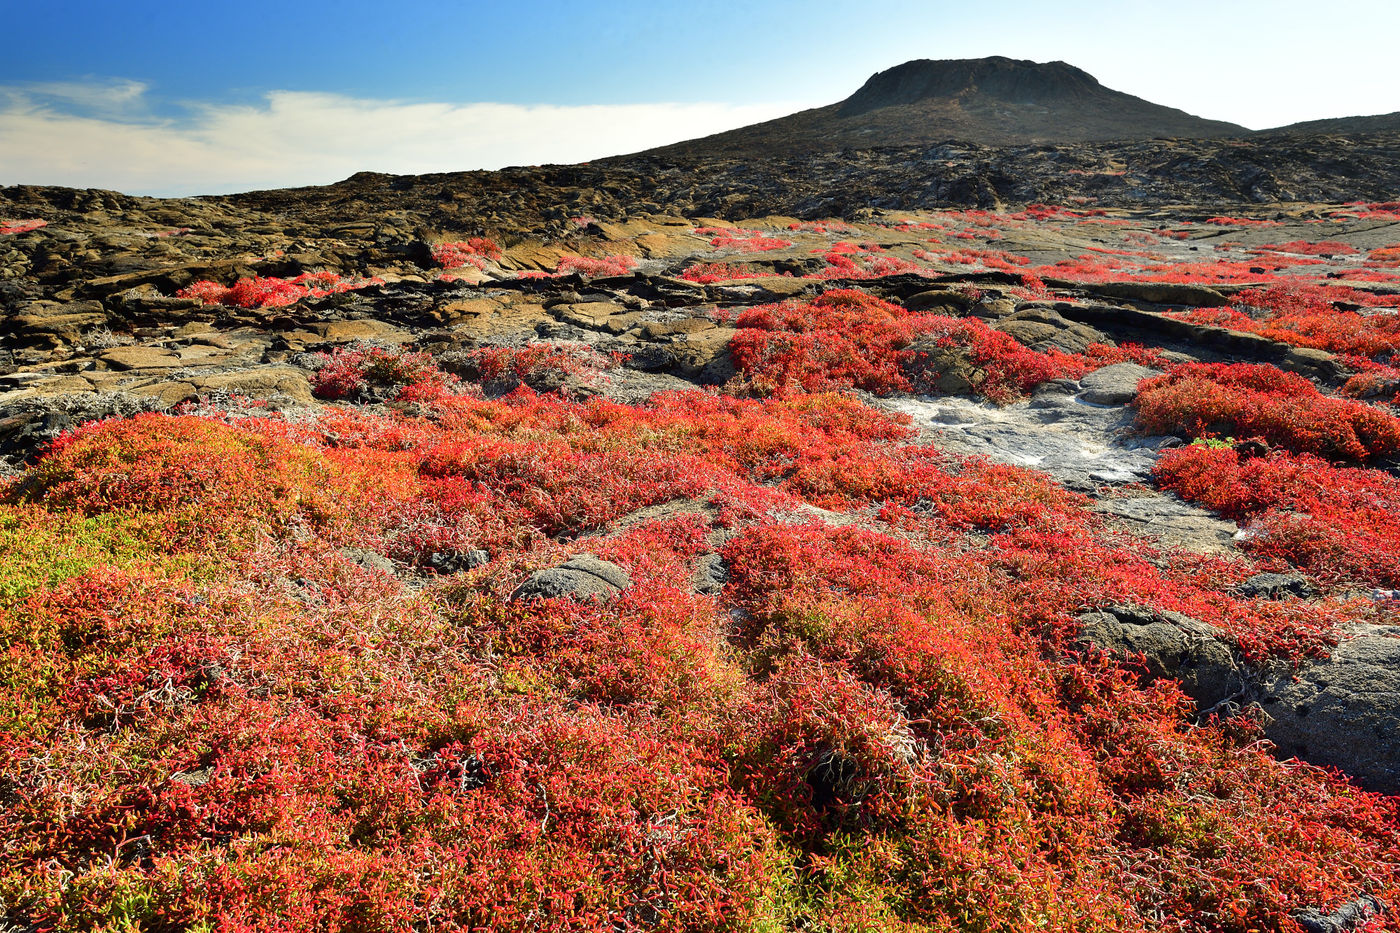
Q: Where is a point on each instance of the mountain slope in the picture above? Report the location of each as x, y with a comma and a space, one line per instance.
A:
1379, 123
992, 101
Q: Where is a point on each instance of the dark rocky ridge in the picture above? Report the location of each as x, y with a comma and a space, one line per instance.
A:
1379, 123
374, 218
990, 101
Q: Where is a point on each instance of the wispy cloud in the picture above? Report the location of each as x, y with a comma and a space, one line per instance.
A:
117, 97
299, 138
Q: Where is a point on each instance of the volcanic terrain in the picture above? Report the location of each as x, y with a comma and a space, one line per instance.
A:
994, 526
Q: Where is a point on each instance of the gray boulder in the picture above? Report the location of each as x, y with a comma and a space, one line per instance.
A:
1171, 645
582, 577
1341, 712
940, 299
945, 370
1114, 385
1041, 329
1344, 919
1345, 711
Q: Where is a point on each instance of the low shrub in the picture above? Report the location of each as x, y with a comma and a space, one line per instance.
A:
367, 374
476, 252
1337, 523
272, 292
1248, 400
541, 366
10, 227
594, 267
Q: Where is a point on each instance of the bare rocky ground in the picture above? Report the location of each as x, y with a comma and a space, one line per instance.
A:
94, 327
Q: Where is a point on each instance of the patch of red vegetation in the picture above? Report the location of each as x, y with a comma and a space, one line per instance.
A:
847, 338
1247, 400
1337, 523
272, 292
1241, 222
362, 374
821, 226
475, 252
706, 273
1307, 315
1376, 210
9, 227
750, 243
596, 267
537, 362
1310, 248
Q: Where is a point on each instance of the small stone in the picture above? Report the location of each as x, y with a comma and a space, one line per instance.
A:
1278, 586
452, 561
369, 560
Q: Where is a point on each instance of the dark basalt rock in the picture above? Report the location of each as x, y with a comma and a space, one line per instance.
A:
1278, 586
582, 577
1342, 711
448, 562
1172, 645
710, 575
1344, 919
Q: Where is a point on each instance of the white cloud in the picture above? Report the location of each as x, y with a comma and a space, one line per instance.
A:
302, 138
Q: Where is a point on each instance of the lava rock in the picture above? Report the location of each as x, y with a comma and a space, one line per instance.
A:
710, 575
582, 577
1344, 919
939, 298
453, 561
369, 560
1343, 712
1041, 329
948, 370
1278, 586
1172, 645
1114, 385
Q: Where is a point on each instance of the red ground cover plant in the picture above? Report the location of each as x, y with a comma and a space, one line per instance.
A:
1373, 381
706, 273
1338, 523
822, 226
1309, 316
749, 242
272, 292
473, 252
1241, 222
853, 261
8, 227
1360, 210
596, 267
1310, 248
540, 363
378, 374
847, 338
244, 686
1248, 400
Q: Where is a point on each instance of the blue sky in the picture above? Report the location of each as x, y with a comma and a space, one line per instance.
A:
202, 96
